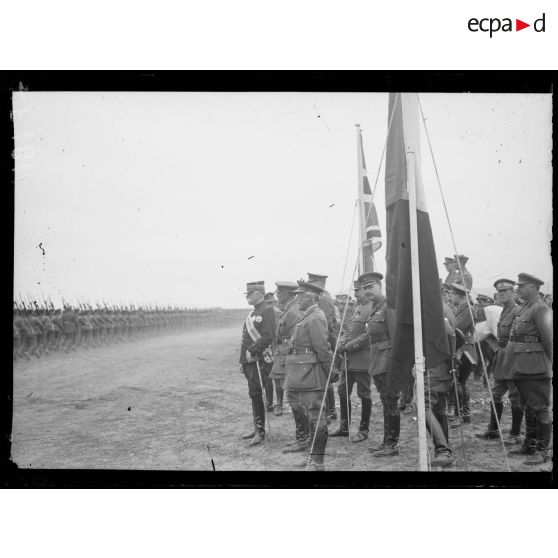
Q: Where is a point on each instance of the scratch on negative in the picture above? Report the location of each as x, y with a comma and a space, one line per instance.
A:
211, 457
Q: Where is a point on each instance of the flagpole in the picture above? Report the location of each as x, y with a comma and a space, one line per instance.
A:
417, 311
362, 216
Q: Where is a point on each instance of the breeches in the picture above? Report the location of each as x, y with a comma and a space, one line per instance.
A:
362, 380
500, 388
389, 402
535, 395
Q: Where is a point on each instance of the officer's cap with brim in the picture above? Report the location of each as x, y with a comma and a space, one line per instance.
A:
448, 261
255, 287
357, 285
370, 277
527, 279
459, 289
341, 297
463, 259
503, 284
317, 279
309, 287
286, 285
485, 298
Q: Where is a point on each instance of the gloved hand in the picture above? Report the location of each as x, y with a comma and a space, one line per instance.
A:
352, 347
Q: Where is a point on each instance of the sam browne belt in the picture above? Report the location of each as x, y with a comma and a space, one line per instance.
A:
525, 338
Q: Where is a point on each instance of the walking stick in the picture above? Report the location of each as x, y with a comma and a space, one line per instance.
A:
263, 397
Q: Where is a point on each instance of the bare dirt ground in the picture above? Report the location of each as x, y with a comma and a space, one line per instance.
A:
178, 401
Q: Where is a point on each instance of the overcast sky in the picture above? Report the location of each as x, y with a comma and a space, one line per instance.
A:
182, 198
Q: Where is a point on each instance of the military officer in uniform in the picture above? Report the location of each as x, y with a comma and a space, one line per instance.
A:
454, 273
257, 334
502, 370
530, 353
355, 347
467, 354
327, 305
285, 321
381, 330
308, 367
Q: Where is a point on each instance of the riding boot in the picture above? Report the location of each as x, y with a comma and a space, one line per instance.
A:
517, 419
530, 443
544, 435
318, 453
280, 393
541, 454
394, 425
258, 411
443, 422
301, 425
366, 410
492, 430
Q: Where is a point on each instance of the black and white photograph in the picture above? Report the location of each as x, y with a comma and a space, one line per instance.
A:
298, 281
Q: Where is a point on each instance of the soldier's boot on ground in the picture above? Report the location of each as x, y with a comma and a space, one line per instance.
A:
318, 453
491, 433
331, 413
391, 446
297, 447
364, 426
248, 435
379, 446
389, 450
530, 442
301, 425
443, 422
341, 431
542, 452
278, 411
442, 459
514, 437
316, 461
258, 438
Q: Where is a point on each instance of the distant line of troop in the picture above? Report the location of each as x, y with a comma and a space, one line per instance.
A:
42, 330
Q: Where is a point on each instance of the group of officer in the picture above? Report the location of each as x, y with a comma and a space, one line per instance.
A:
302, 341
44, 329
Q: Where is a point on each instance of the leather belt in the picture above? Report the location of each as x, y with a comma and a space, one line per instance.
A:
378, 337
525, 338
